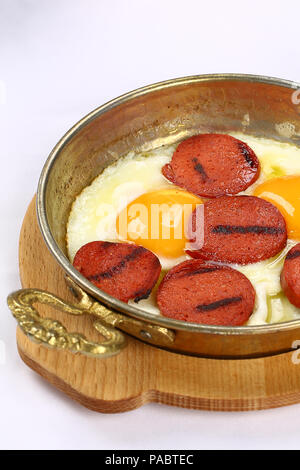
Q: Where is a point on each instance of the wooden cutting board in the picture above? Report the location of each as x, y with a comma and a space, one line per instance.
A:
142, 373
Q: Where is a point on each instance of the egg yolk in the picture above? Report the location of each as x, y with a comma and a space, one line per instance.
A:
158, 221
284, 193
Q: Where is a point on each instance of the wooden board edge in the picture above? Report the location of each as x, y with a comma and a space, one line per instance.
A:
102, 406
155, 396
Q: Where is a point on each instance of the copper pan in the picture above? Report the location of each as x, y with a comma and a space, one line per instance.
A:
144, 119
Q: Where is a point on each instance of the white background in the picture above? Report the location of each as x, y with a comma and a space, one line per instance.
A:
58, 61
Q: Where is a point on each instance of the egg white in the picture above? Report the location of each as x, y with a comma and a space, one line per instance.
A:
94, 212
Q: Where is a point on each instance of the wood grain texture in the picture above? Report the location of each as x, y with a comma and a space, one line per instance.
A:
142, 373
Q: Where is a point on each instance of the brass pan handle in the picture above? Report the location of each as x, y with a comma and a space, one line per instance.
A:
53, 334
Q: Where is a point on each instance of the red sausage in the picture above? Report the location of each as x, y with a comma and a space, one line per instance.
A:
290, 276
213, 165
123, 270
205, 293
239, 229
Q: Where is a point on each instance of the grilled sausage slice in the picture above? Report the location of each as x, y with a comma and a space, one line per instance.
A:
123, 270
238, 229
290, 276
212, 294
213, 165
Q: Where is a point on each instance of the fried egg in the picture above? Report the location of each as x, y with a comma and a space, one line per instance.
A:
135, 180
157, 221
284, 193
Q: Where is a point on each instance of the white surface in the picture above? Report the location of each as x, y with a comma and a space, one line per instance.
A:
59, 60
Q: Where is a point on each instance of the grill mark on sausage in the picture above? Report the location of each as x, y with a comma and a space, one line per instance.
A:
141, 294
118, 267
105, 245
293, 255
199, 168
218, 304
258, 229
201, 271
247, 155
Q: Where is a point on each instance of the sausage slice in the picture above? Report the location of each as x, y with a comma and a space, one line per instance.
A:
211, 294
290, 276
213, 165
238, 229
123, 270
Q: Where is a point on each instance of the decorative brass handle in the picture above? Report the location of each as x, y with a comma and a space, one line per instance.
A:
53, 334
